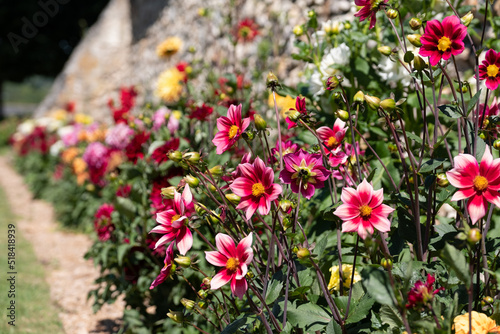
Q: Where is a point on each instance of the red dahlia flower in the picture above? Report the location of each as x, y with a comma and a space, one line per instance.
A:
489, 70
102, 222
201, 112
369, 10
256, 188
247, 30
422, 293
160, 154
167, 270
332, 138
362, 210
479, 183
234, 259
230, 129
441, 40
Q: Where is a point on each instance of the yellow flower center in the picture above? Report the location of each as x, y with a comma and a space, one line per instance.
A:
174, 218
365, 211
258, 189
332, 141
444, 44
480, 183
232, 264
233, 131
492, 70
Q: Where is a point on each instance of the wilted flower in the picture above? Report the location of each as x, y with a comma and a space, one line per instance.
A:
169, 86
230, 129
481, 324
346, 277
422, 293
489, 69
168, 47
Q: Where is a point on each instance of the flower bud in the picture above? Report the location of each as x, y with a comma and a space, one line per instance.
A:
203, 305
385, 50
332, 83
192, 157
248, 136
214, 217
347, 25
311, 14
386, 264
202, 294
419, 63
216, 170
287, 223
293, 115
391, 13
482, 135
488, 300
303, 253
175, 156
285, 206
372, 101
168, 192
415, 23
183, 261
235, 199
206, 281
188, 303
176, 316
473, 236
212, 188
202, 12
415, 40
392, 147
342, 114
298, 30
271, 81
192, 181
359, 97
200, 209
442, 180
467, 19
496, 144
388, 105
260, 123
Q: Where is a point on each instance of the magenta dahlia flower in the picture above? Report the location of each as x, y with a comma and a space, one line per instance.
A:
479, 183
230, 129
441, 40
102, 222
300, 106
173, 223
256, 188
332, 138
234, 259
119, 136
362, 210
369, 10
287, 147
489, 70
167, 270
304, 172
422, 293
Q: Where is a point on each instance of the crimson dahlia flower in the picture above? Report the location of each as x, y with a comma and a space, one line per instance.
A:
422, 293
234, 259
304, 172
167, 270
362, 210
332, 138
300, 106
102, 222
441, 40
256, 188
369, 10
230, 129
173, 223
489, 70
479, 183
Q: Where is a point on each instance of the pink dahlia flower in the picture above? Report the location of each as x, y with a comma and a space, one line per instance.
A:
234, 259
159, 118
230, 129
332, 138
489, 70
173, 223
256, 188
362, 210
479, 183
300, 106
119, 136
167, 270
422, 293
287, 147
489, 110
441, 40
304, 172
369, 10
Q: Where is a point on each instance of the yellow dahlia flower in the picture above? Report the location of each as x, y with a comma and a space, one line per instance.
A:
169, 86
168, 47
346, 275
284, 103
481, 324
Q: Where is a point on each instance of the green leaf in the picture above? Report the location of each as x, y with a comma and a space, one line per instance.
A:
273, 290
456, 261
234, 326
321, 245
360, 309
473, 101
333, 328
480, 148
309, 316
431, 164
376, 283
362, 65
450, 110
389, 315
121, 251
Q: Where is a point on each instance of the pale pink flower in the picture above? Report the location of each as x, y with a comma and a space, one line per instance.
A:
173, 222
159, 118
234, 259
230, 129
119, 136
332, 138
256, 188
362, 210
166, 271
479, 183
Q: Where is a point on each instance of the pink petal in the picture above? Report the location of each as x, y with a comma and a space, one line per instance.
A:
493, 197
225, 245
458, 179
164, 239
187, 196
477, 206
351, 225
242, 186
239, 287
380, 223
242, 271
463, 194
377, 199
365, 191
244, 250
220, 279
347, 212
382, 210
184, 240
216, 258
324, 133
468, 163
350, 196
160, 229
264, 205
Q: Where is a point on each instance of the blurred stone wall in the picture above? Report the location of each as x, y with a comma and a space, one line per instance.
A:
120, 49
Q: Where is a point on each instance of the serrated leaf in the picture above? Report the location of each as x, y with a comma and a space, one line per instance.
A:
456, 261
376, 283
333, 328
389, 315
321, 245
360, 309
309, 316
273, 290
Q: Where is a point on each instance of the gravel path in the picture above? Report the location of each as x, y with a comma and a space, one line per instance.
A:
70, 276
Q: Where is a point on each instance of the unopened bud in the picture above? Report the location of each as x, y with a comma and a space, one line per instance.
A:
332, 83
347, 25
372, 101
214, 217
260, 123
298, 30
385, 50
419, 63
391, 13
415, 40
473, 236
342, 114
206, 281
176, 316
287, 223
467, 19
203, 305
212, 188
168, 192
272, 81
183, 261
293, 115
496, 144
248, 136
359, 97
311, 14
388, 105
192, 181
188, 303
216, 170
286, 206
482, 135
303, 253
192, 157
488, 300
202, 294
175, 156
386, 264
415, 23
235, 199
442, 180
392, 147
200, 209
